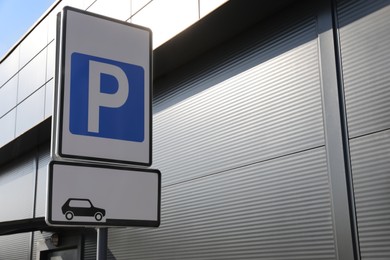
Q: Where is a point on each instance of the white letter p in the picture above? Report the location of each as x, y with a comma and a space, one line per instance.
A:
97, 99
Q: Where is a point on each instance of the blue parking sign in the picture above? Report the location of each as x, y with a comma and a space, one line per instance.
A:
103, 93
106, 98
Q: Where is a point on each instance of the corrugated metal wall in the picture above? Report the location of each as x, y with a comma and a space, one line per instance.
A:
15, 247
17, 182
365, 40
239, 138
43, 161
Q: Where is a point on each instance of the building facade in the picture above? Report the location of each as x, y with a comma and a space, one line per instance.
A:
271, 129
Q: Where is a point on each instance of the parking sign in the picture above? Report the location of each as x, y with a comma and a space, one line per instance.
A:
103, 109
81, 194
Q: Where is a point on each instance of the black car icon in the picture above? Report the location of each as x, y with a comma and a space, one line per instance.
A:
81, 207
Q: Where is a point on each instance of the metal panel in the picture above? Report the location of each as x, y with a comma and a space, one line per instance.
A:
49, 97
7, 129
279, 209
8, 94
32, 76
50, 63
336, 139
15, 247
89, 252
120, 10
370, 165
9, 67
137, 5
17, 182
239, 139
365, 40
30, 112
43, 162
167, 18
261, 101
33, 43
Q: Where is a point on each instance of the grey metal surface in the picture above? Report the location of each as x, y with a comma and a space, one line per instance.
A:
8, 96
262, 100
49, 98
90, 246
371, 175
365, 39
7, 134
30, 112
43, 162
335, 138
9, 67
15, 247
239, 139
17, 181
279, 209
34, 43
32, 76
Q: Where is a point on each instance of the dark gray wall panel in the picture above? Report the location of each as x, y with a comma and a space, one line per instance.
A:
262, 100
17, 185
15, 247
279, 209
365, 40
371, 177
90, 247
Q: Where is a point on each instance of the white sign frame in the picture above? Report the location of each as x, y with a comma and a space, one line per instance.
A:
122, 196
110, 40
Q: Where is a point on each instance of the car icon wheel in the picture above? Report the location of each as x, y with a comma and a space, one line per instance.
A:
98, 216
69, 215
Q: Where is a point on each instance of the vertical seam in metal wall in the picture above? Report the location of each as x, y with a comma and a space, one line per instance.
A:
17, 94
344, 131
335, 148
46, 81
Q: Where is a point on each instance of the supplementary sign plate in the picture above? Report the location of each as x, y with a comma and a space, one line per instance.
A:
95, 195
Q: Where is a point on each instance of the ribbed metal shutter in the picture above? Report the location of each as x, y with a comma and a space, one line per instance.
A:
371, 172
17, 181
260, 102
365, 41
15, 247
239, 138
89, 250
16, 200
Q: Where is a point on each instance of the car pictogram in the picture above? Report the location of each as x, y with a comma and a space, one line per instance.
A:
81, 207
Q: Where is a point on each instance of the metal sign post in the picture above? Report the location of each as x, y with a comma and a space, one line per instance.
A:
101, 244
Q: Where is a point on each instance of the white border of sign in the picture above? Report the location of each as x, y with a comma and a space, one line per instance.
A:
129, 196
133, 45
